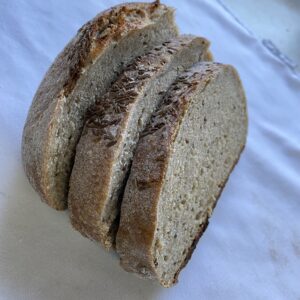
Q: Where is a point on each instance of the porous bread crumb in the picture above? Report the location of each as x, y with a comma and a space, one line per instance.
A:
179, 169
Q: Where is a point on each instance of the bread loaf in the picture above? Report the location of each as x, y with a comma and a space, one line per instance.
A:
105, 150
154, 144
80, 74
180, 166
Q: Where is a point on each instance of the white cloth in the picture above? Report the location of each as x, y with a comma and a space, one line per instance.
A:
251, 249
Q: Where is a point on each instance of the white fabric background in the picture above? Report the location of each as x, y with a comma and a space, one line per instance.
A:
251, 249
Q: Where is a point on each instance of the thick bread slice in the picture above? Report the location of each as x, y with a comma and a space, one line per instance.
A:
105, 149
179, 168
82, 72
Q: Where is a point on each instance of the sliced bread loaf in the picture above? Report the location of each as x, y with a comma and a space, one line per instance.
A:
179, 169
105, 149
81, 73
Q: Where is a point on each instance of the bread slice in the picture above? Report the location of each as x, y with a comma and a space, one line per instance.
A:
82, 72
179, 169
105, 149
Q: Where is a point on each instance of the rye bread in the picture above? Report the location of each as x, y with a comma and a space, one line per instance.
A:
80, 74
181, 163
106, 147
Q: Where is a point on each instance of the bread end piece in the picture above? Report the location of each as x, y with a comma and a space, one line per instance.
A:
55, 118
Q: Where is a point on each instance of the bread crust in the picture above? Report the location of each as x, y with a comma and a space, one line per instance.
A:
98, 148
138, 221
82, 51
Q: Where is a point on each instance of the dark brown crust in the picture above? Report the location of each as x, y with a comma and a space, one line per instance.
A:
104, 131
92, 39
139, 207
